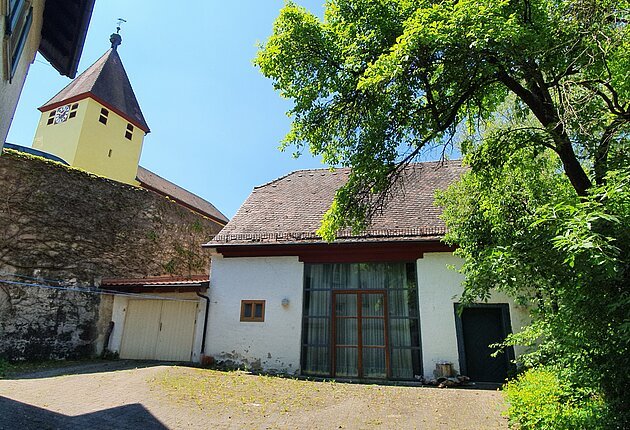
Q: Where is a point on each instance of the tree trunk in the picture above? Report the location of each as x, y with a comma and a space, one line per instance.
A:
541, 104
573, 169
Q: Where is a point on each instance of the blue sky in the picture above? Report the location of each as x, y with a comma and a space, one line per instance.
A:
215, 121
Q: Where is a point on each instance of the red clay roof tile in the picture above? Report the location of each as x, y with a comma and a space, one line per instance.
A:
290, 209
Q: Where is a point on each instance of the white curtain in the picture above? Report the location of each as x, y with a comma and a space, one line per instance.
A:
401, 297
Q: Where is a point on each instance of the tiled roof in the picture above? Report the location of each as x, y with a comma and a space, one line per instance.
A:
155, 280
157, 284
153, 182
290, 209
107, 81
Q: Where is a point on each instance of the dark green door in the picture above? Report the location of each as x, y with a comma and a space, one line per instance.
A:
478, 328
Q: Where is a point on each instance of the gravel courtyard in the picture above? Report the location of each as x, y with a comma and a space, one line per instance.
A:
117, 395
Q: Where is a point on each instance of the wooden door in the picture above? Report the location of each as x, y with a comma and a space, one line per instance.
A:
360, 334
141, 329
176, 331
159, 330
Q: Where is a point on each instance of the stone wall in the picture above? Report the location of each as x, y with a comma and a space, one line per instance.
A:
62, 227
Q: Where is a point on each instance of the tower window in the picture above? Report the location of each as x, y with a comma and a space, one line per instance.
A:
103, 117
129, 131
73, 110
51, 117
109, 154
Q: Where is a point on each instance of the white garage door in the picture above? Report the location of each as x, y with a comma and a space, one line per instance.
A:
159, 330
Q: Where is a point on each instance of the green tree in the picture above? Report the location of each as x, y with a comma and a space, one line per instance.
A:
378, 81
522, 229
537, 93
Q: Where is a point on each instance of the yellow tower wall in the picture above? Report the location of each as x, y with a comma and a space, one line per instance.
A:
60, 139
104, 150
86, 143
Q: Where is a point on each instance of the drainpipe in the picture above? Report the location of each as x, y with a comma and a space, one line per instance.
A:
205, 325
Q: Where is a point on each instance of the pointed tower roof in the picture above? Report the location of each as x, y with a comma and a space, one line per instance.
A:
106, 82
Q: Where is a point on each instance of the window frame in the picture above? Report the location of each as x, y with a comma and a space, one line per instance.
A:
253, 317
415, 347
103, 116
18, 16
129, 132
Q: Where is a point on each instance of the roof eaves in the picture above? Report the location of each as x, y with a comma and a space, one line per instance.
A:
65, 59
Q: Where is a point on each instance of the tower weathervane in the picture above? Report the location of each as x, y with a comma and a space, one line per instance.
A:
115, 38
119, 23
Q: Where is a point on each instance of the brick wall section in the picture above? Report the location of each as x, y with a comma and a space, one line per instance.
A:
59, 223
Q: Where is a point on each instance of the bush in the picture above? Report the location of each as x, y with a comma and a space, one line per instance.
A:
540, 399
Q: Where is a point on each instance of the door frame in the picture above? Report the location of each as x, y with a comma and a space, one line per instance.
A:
506, 325
333, 336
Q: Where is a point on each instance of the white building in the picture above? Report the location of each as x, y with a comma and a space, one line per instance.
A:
377, 306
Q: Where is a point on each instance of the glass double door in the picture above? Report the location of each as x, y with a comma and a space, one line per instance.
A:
360, 334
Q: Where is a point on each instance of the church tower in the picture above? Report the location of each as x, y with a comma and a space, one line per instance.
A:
95, 123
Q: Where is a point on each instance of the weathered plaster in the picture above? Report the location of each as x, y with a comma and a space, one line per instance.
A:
275, 344
270, 345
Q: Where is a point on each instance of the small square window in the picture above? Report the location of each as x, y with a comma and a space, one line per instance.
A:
252, 310
50, 121
72, 114
128, 135
104, 112
52, 113
129, 127
74, 106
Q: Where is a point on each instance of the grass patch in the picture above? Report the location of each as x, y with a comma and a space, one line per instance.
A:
247, 394
240, 398
237, 399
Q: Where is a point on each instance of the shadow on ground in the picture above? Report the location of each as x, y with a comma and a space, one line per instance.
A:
17, 415
87, 368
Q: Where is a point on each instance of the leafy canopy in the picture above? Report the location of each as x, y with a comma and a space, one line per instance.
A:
377, 82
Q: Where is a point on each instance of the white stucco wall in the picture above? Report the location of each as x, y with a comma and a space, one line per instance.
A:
439, 287
270, 345
119, 312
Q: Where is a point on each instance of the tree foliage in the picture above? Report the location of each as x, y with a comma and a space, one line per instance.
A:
376, 82
537, 95
521, 229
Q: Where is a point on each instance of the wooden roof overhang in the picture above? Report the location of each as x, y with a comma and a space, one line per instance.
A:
195, 284
64, 30
347, 252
